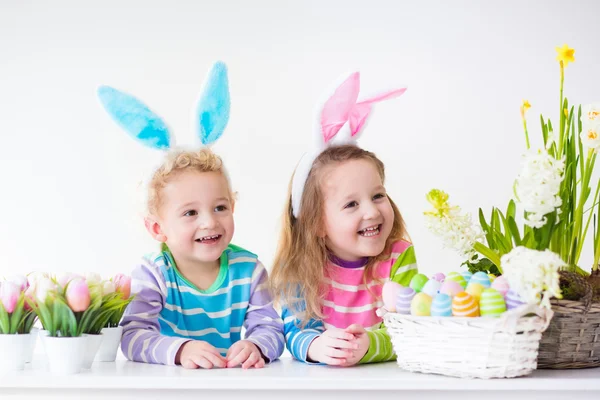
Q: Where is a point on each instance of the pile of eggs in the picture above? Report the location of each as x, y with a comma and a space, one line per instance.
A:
458, 294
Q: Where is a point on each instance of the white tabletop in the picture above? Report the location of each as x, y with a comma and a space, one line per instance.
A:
289, 379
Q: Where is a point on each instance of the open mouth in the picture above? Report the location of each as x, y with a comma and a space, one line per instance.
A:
209, 239
370, 231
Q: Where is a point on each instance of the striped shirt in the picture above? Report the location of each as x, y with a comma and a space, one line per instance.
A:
349, 300
168, 310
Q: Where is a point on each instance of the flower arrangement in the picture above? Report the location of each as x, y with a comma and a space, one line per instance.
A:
16, 317
545, 224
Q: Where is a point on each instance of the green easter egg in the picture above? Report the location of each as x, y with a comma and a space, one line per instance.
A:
456, 277
418, 281
492, 303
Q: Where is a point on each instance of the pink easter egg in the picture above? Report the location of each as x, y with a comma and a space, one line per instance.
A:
501, 285
389, 292
451, 288
439, 277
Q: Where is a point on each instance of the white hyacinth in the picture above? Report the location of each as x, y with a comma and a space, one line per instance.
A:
533, 274
455, 228
537, 186
590, 120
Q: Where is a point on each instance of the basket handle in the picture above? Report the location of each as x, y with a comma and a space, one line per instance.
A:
511, 318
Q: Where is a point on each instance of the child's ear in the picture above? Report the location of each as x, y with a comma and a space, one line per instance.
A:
153, 227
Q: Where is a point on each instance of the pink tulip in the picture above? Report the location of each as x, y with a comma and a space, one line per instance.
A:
21, 281
9, 295
123, 285
78, 295
64, 278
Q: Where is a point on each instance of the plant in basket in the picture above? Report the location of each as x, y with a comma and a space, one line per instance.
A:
538, 240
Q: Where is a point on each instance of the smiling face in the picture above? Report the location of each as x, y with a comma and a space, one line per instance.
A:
196, 216
358, 216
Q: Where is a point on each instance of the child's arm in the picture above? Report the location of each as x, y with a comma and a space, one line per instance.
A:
299, 340
380, 344
263, 326
142, 340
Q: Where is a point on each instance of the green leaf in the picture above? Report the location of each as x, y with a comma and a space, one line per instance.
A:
4, 320
16, 317
514, 230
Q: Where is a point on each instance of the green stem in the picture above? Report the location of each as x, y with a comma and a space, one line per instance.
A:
489, 253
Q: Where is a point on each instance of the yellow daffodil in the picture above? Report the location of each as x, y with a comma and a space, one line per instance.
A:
565, 55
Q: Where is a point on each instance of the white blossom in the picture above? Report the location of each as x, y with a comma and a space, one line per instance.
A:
533, 274
455, 228
538, 185
590, 120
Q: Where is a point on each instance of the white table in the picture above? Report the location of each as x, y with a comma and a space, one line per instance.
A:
287, 380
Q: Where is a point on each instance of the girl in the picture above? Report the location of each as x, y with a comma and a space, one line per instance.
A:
195, 295
342, 239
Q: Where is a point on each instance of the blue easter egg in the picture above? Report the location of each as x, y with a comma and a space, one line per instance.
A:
441, 306
482, 278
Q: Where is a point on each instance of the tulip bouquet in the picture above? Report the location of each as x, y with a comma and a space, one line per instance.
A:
16, 317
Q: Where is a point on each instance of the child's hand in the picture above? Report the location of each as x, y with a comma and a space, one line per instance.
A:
333, 347
362, 340
199, 354
246, 353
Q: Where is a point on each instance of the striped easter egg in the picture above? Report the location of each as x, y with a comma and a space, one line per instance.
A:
465, 305
458, 278
441, 306
451, 288
421, 305
404, 297
482, 278
467, 275
475, 290
492, 303
501, 285
438, 277
513, 300
418, 281
432, 287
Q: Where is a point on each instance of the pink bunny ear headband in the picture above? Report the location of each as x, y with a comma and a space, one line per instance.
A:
339, 120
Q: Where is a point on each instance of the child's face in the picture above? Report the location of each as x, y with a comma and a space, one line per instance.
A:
358, 214
196, 215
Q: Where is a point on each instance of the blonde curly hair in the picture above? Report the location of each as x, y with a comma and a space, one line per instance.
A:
177, 162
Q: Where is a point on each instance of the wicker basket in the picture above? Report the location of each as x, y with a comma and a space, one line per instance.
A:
504, 347
572, 339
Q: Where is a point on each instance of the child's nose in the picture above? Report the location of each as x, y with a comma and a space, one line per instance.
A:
207, 221
371, 211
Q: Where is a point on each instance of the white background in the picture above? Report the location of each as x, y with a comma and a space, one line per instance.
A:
68, 174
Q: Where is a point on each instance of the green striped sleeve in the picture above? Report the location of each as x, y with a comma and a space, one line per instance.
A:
380, 343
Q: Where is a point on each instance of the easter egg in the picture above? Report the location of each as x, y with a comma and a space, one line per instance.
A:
451, 288
513, 300
464, 305
475, 290
467, 275
441, 306
492, 277
432, 287
403, 299
501, 285
456, 277
482, 278
492, 303
389, 292
421, 305
439, 277
418, 281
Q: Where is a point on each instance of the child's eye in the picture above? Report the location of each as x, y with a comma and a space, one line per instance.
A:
379, 196
220, 208
190, 213
351, 204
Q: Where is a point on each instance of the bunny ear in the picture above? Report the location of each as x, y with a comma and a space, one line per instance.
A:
214, 104
135, 118
360, 112
336, 110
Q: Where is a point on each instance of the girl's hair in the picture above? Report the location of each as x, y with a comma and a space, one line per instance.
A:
176, 162
298, 269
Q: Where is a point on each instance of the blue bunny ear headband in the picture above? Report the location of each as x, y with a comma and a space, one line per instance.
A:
210, 117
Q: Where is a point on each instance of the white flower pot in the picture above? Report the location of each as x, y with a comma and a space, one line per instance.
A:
111, 339
33, 335
13, 350
93, 343
65, 354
